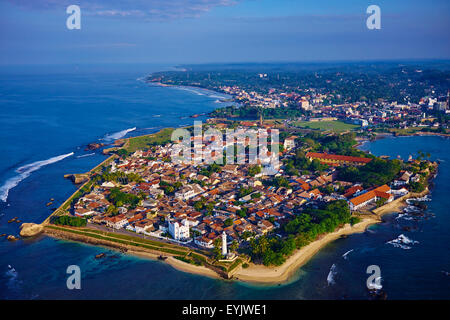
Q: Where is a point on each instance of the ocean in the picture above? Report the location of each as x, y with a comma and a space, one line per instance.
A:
48, 114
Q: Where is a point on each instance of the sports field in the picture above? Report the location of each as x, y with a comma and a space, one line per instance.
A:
336, 126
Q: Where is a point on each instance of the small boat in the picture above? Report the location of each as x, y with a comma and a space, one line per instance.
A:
52, 199
49, 204
100, 255
12, 220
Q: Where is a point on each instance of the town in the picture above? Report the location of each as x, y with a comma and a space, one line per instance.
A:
230, 209
401, 100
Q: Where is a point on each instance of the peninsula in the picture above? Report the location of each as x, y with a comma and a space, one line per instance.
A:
231, 220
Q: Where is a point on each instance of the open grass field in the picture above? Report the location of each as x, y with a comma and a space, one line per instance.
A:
336, 126
144, 142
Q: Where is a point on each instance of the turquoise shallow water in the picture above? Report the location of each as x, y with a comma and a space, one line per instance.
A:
47, 114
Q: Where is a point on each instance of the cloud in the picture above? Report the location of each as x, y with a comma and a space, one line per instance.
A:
146, 9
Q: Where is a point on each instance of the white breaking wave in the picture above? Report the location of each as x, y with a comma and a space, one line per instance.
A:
404, 216
331, 274
345, 254
25, 171
86, 155
402, 241
424, 198
411, 209
118, 135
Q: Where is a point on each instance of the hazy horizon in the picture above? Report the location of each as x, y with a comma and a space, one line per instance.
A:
221, 31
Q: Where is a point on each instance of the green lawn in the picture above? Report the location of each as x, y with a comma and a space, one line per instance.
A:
123, 239
336, 126
143, 142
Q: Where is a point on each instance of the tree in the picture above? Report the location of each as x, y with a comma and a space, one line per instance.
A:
254, 170
234, 246
217, 250
122, 153
228, 222
242, 212
69, 221
198, 205
112, 210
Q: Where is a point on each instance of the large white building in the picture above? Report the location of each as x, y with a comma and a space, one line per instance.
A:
188, 192
179, 231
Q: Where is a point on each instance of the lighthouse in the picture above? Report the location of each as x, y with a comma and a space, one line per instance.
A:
224, 244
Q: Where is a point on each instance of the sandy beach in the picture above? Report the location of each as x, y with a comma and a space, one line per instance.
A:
262, 274
273, 275
178, 264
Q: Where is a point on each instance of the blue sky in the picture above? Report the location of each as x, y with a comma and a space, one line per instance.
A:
204, 31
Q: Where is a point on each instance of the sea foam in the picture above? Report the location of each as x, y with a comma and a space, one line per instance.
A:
403, 242
345, 254
25, 171
86, 155
118, 135
331, 274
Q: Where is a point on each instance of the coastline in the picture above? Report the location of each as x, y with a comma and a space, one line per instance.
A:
178, 264
134, 251
254, 274
260, 274
215, 92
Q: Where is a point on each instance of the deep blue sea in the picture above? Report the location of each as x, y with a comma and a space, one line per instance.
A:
49, 114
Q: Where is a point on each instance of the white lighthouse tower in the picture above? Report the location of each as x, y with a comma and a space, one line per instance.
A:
224, 244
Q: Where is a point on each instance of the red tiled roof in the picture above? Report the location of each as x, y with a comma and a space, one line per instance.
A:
380, 192
352, 190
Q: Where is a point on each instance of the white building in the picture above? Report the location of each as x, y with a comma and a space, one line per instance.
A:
204, 242
289, 143
188, 192
179, 231
224, 244
116, 222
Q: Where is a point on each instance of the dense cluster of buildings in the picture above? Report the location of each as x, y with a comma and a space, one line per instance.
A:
317, 104
188, 203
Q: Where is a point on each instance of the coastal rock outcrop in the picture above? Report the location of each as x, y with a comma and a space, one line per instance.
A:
108, 151
77, 178
12, 238
94, 146
30, 229
120, 142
